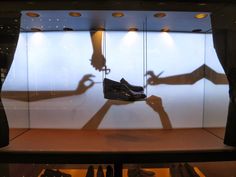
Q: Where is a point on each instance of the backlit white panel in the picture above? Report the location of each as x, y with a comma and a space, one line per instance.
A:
124, 53
216, 95
177, 55
59, 60
17, 80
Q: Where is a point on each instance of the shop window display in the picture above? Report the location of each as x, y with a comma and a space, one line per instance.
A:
132, 86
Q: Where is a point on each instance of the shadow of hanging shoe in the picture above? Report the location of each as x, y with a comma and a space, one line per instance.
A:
117, 91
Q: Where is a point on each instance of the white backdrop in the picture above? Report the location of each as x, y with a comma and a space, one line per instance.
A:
57, 61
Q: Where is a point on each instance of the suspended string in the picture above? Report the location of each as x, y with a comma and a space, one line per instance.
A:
106, 71
145, 54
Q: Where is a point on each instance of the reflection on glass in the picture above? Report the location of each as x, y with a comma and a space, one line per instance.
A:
14, 90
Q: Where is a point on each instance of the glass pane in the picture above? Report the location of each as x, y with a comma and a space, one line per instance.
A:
15, 90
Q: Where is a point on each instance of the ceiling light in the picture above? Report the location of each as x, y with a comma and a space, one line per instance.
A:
197, 30
75, 14
117, 14
133, 29
159, 15
35, 30
165, 29
201, 16
32, 14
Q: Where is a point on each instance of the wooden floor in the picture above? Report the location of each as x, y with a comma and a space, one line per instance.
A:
45, 146
48, 140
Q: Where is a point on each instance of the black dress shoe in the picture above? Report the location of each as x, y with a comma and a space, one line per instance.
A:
116, 91
138, 172
54, 173
100, 172
132, 87
109, 172
90, 171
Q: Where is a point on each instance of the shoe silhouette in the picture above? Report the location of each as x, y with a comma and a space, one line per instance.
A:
132, 87
138, 172
90, 171
100, 171
117, 91
109, 172
54, 173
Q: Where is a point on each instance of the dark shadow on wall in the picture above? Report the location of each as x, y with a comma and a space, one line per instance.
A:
203, 71
153, 101
41, 95
98, 60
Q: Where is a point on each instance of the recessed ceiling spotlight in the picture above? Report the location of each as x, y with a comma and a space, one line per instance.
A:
165, 29
35, 29
117, 14
32, 14
57, 26
197, 30
133, 29
49, 19
67, 29
201, 16
75, 14
159, 15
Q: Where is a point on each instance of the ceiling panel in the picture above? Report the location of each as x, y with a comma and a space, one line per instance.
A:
89, 20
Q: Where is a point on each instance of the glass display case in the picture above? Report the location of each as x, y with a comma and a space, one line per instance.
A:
124, 90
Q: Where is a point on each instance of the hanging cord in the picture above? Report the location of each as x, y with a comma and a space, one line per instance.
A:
145, 54
107, 71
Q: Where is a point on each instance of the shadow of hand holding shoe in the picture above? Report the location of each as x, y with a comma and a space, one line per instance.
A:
82, 86
97, 118
98, 61
201, 72
153, 79
155, 103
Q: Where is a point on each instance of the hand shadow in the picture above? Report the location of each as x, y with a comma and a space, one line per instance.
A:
98, 60
201, 72
156, 104
82, 87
